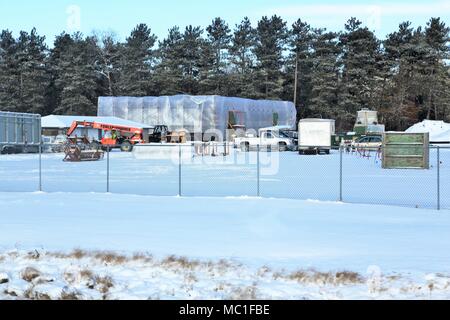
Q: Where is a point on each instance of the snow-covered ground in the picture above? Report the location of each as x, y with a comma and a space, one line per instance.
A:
285, 175
196, 248
219, 241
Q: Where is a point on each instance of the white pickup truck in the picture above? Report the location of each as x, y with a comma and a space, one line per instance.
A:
272, 138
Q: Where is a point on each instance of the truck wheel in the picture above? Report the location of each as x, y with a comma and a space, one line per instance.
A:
95, 145
327, 152
126, 146
282, 147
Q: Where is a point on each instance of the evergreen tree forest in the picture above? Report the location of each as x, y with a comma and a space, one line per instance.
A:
406, 76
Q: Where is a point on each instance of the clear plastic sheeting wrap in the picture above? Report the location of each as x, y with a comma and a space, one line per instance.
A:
200, 114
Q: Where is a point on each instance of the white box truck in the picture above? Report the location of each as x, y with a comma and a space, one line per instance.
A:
315, 135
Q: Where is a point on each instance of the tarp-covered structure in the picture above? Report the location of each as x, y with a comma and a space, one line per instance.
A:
200, 114
439, 130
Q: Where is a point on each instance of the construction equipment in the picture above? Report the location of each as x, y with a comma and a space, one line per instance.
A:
123, 137
80, 149
161, 134
158, 134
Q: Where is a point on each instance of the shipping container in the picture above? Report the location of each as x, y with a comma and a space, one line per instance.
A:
19, 132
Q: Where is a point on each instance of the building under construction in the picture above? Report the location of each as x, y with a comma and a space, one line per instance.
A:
204, 115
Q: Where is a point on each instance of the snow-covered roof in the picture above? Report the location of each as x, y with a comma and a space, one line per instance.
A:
62, 122
439, 130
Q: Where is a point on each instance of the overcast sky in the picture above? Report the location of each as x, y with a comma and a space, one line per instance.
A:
52, 17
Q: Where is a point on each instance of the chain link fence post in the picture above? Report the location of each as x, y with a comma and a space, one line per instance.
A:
40, 166
107, 168
341, 177
258, 171
179, 171
438, 179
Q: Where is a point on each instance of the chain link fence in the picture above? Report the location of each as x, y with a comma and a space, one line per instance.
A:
219, 170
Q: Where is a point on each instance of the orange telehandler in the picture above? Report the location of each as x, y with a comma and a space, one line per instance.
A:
117, 136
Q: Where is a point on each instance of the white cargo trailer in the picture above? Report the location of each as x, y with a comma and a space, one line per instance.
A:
19, 132
315, 135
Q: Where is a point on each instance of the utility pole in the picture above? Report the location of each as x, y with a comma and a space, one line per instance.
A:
296, 79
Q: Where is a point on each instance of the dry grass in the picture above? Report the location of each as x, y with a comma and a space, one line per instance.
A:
30, 294
110, 258
104, 284
142, 257
180, 262
69, 277
13, 254
86, 274
34, 255
324, 278
247, 293
263, 271
106, 257
29, 274
76, 254
10, 293
72, 296
190, 278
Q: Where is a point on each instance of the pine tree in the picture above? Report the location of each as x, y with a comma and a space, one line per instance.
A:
217, 48
323, 102
192, 60
299, 65
137, 58
271, 38
437, 38
243, 59
169, 73
75, 77
23, 72
31, 56
9, 98
360, 54
398, 104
